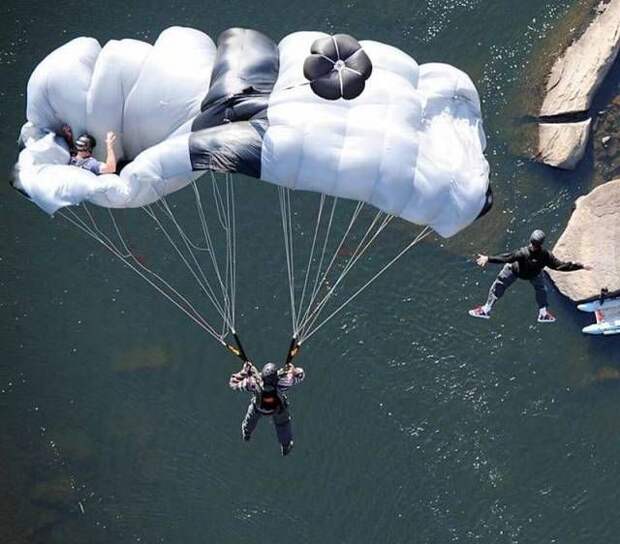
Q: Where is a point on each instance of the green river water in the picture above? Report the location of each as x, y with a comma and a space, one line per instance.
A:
416, 424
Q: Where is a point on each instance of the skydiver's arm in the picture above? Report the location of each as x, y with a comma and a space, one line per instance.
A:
502, 258
247, 379
291, 376
564, 266
245, 383
67, 134
482, 260
109, 167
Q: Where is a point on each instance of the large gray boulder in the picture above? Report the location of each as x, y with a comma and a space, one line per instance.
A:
576, 75
592, 237
562, 144
574, 79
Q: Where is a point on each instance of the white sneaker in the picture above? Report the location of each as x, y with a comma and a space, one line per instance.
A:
480, 312
546, 317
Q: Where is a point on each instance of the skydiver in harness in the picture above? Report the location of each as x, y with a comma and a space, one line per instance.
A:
526, 263
268, 387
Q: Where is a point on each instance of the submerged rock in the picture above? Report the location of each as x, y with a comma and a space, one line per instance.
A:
606, 374
577, 75
55, 493
562, 144
72, 530
42, 520
592, 237
75, 445
142, 358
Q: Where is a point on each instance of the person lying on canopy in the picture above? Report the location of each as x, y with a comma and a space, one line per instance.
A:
82, 152
526, 263
268, 399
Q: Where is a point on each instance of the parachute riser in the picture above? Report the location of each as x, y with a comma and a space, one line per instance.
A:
238, 349
293, 350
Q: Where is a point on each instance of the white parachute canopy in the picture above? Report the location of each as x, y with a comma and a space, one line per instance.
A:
411, 143
144, 93
327, 114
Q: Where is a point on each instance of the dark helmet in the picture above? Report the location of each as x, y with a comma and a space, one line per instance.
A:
85, 142
269, 373
537, 238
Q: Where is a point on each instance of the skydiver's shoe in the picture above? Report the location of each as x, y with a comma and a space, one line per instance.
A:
480, 312
546, 317
286, 448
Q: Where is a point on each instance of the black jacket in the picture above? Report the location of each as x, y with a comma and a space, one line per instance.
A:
527, 264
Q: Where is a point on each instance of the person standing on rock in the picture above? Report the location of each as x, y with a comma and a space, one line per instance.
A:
526, 263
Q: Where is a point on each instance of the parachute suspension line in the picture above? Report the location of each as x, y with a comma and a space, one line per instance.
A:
317, 285
313, 309
357, 253
285, 212
219, 201
154, 274
423, 234
204, 286
224, 209
287, 194
211, 249
227, 291
233, 250
226, 217
314, 238
221, 207
134, 264
355, 256
320, 273
306, 313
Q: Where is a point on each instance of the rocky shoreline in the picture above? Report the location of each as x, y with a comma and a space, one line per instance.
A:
574, 79
565, 125
593, 237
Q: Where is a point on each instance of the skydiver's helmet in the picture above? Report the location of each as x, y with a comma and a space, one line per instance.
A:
269, 374
537, 239
85, 142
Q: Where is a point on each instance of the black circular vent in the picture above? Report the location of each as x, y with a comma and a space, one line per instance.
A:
337, 67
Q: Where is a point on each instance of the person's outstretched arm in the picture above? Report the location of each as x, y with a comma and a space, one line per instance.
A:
291, 375
109, 166
67, 134
510, 257
565, 266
